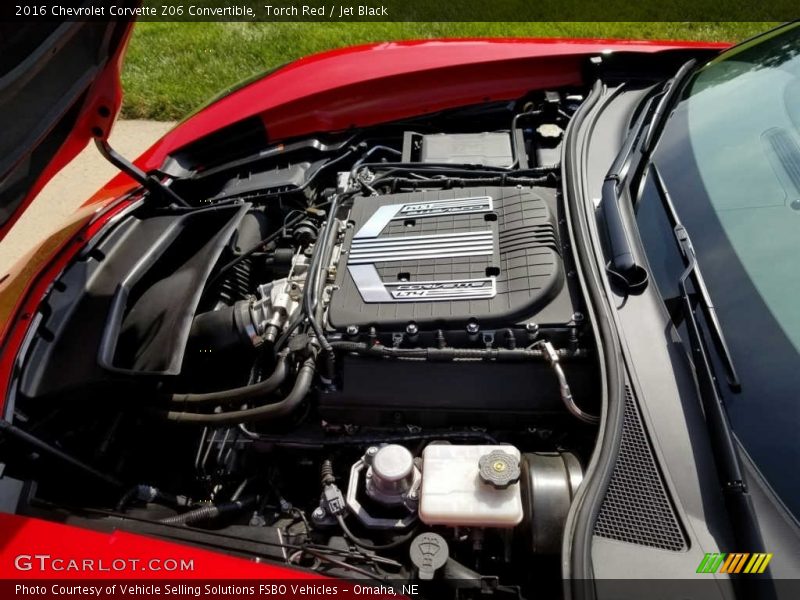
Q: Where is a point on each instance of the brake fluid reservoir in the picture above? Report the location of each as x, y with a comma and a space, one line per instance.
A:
474, 486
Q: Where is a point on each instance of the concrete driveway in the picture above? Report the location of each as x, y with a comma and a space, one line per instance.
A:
73, 186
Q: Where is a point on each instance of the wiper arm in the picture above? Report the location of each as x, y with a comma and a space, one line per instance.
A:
637, 148
694, 273
622, 264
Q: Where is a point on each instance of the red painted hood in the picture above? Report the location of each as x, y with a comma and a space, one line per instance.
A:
59, 87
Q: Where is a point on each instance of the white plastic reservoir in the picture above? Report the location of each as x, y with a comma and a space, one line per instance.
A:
453, 493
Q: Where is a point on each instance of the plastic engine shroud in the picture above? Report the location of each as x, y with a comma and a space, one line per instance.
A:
490, 253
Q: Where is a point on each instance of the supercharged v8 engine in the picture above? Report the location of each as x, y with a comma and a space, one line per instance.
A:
473, 272
349, 352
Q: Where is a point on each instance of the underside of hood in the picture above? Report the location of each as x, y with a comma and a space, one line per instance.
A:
59, 87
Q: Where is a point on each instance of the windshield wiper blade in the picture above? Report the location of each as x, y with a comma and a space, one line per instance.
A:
668, 93
723, 445
694, 273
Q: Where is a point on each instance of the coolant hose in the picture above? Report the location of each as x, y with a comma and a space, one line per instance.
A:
276, 410
240, 394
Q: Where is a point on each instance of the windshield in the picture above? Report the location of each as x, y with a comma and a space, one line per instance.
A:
730, 156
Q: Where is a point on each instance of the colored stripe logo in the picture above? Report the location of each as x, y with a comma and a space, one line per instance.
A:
737, 562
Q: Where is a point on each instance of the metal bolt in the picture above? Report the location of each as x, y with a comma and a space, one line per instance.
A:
473, 327
352, 330
531, 327
412, 329
318, 514
372, 451
577, 317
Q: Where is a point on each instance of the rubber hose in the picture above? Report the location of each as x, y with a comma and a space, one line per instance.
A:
218, 330
241, 394
204, 513
259, 413
317, 273
397, 542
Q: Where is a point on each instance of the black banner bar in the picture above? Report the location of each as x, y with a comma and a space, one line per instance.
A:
325, 589
340, 11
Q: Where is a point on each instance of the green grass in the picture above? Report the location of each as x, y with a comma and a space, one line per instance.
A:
173, 68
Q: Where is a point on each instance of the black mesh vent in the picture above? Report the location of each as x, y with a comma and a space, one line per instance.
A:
636, 508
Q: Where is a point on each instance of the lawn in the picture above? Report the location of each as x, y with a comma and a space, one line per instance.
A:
173, 68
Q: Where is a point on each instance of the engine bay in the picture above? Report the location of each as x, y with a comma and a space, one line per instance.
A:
363, 353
